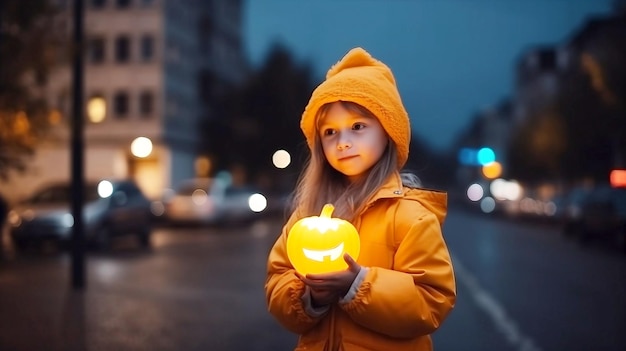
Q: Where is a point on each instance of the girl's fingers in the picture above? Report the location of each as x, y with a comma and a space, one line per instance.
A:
318, 284
349, 260
321, 276
352, 265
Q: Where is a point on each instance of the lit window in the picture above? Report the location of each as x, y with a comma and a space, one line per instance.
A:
96, 108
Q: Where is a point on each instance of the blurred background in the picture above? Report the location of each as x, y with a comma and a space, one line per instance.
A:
191, 116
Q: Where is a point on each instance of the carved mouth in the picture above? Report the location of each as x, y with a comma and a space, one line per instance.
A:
319, 256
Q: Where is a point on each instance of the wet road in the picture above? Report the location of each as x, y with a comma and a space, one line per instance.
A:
520, 287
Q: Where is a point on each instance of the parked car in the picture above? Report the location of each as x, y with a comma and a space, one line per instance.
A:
208, 201
570, 211
112, 208
598, 214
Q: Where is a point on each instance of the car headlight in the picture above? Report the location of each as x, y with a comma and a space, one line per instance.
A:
14, 218
157, 208
257, 202
67, 220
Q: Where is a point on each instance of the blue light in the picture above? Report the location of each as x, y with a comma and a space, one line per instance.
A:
486, 156
467, 156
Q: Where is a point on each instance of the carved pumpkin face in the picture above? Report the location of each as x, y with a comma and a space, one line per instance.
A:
317, 244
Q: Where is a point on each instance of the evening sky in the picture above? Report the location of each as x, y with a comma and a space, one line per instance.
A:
451, 58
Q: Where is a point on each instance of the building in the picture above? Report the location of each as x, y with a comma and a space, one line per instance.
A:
153, 69
598, 51
537, 80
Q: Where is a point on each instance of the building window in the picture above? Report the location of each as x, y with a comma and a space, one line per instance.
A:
96, 108
147, 47
98, 4
146, 104
122, 48
60, 4
96, 50
123, 3
120, 104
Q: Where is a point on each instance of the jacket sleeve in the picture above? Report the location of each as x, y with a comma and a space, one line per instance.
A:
416, 295
283, 289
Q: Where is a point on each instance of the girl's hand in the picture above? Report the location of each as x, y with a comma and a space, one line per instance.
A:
330, 287
323, 297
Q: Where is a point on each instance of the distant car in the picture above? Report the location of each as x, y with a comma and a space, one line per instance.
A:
112, 208
598, 214
207, 201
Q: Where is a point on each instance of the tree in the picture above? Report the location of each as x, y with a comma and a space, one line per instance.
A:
28, 42
262, 117
435, 169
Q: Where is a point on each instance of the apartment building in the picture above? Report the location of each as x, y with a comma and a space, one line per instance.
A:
152, 70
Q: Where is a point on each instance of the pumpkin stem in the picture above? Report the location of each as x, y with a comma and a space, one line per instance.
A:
327, 210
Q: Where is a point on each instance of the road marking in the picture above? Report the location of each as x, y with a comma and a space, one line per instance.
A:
503, 322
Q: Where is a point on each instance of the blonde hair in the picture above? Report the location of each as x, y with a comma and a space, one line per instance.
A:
320, 183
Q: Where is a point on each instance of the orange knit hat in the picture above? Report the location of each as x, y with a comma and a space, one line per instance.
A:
362, 79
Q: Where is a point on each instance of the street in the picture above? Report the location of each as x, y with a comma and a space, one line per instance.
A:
520, 286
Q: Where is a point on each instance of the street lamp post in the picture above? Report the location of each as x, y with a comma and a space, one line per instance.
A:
77, 150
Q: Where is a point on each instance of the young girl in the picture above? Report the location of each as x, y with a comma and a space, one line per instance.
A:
401, 287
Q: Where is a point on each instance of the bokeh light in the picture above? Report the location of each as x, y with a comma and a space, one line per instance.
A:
281, 159
475, 192
618, 178
105, 189
468, 156
96, 109
492, 170
141, 147
199, 196
486, 156
503, 189
257, 202
488, 204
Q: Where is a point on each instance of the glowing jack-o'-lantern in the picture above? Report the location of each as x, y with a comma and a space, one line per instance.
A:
317, 244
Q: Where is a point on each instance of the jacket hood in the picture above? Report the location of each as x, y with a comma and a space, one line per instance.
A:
433, 200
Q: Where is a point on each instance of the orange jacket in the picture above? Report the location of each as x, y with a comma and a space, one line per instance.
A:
407, 292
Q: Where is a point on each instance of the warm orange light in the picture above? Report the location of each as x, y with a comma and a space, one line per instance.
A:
21, 125
54, 117
618, 178
96, 109
317, 244
492, 170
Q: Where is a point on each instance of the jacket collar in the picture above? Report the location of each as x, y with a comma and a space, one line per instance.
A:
391, 188
435, 201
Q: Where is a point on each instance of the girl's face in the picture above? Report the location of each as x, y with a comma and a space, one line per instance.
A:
352, 143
